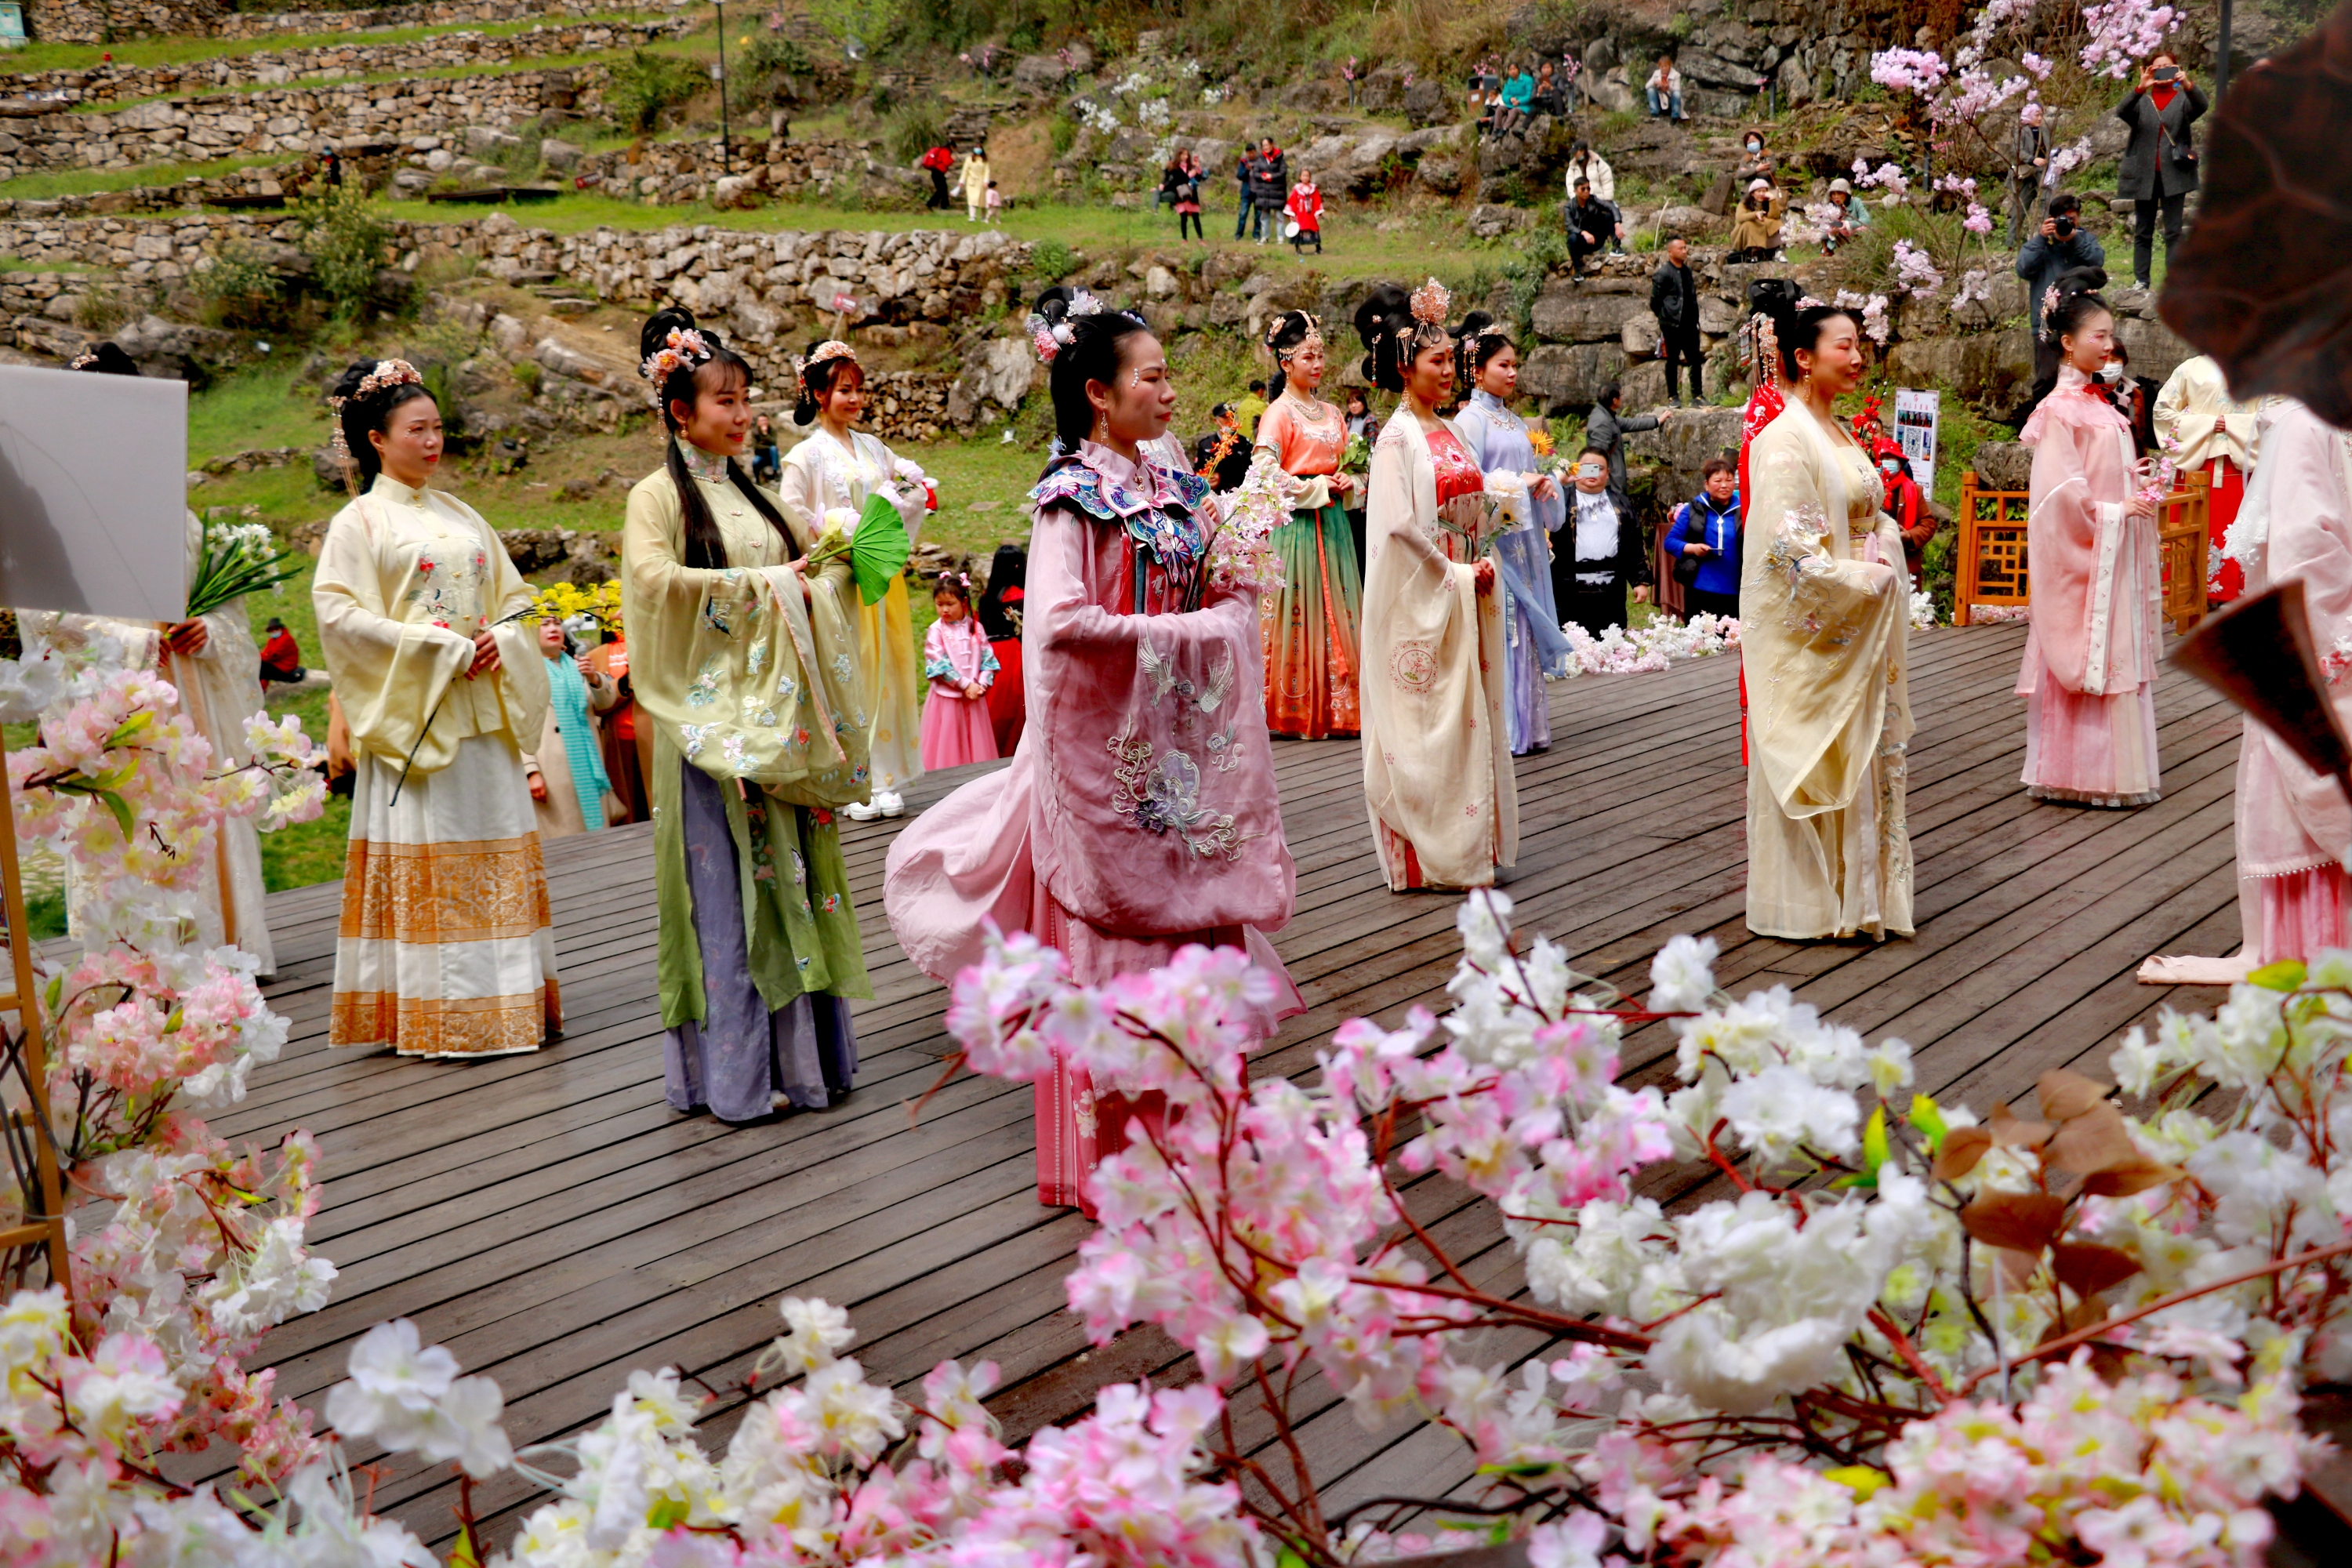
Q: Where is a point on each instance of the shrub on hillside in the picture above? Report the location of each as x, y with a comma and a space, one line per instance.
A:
643, 85
239, 289
346, 243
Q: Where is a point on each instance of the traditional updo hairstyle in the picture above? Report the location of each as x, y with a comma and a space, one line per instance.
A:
1393, 337
1478, 339
1089, 344
819, 380
1285, 335
364, 402
1800, 328
104, 359
2071, 312
683, 378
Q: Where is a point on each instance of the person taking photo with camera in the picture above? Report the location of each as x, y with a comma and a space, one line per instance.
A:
2159, 164
2060, 246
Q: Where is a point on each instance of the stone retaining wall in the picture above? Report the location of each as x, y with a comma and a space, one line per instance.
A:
105, 21
289, 120
672, 173
332, 62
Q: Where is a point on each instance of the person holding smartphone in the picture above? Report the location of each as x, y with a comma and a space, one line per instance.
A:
2159, 164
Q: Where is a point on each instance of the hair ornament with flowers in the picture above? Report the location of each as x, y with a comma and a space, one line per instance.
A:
683, 349
1432, 302
83, 361
387, 375
1052, 337
2049, 308
831, 349
1273, 332
1807, 302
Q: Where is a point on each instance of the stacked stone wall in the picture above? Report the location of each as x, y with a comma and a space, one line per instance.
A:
110, 21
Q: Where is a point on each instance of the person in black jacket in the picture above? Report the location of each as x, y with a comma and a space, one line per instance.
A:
2159, 164
1590, 224
1673, 300
1270, 189
1223, 456
1598, 554
1246, 176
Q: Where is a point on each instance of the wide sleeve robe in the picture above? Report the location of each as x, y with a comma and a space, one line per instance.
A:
1437, 757
1825, 605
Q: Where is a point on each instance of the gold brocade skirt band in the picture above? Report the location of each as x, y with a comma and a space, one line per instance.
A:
446, 947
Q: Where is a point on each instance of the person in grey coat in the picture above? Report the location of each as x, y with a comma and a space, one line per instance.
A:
2059, 247
2159, 164
1605, 429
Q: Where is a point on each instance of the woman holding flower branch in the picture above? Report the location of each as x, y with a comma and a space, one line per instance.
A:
745, 661
1139, 815
1437, 755
446, 947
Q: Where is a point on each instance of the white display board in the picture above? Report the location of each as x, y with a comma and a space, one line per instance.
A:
93, 493
1916, 415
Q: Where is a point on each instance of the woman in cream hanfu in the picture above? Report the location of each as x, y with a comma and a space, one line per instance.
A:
1488, 364
446, 947
1139, 815
744, 659
2091, 647
212, 663
838, 468
2294, 828
1312, 633
1825, 602
1437, 755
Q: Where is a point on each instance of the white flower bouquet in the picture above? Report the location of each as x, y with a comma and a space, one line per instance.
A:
235, 559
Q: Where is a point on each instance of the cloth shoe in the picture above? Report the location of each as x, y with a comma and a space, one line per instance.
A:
862, 811
889, 803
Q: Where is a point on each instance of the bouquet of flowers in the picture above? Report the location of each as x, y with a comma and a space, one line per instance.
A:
1240, 548
2159, 472
1356, 457
236, 558
1477, 521
1550, 461
568, 601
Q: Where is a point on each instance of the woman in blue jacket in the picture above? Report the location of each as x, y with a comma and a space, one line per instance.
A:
1708, 529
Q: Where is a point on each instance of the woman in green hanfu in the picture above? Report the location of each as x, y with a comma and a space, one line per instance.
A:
745, 658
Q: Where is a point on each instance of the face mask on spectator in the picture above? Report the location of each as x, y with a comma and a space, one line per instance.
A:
2111, 372
1754, 145
1890, 467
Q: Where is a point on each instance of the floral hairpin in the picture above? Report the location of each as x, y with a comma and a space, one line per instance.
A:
1807, 302
1430, 302
683, 349
2049, 308
387, 375
1050, 338
1314, 335
83, 361
831, 348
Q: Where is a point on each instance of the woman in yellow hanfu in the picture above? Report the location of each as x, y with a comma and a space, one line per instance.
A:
744, 659
446, 947
838, 469
1826, 612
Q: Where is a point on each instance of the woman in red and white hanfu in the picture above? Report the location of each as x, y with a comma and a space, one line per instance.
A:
2091, 653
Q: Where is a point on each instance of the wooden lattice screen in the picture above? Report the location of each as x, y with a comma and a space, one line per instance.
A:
1991, 564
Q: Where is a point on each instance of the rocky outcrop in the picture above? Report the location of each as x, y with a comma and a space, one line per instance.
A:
280, 68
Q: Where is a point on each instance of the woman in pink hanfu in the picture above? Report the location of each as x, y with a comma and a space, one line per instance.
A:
2091, 652
1139, 815
962, 669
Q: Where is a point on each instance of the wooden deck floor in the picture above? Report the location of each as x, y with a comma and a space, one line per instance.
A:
554, 1224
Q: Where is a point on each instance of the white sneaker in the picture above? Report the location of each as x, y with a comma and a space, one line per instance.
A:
861, 812
890, 804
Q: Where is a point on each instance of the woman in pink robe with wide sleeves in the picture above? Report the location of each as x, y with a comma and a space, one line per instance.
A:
1138, 814
2092, 650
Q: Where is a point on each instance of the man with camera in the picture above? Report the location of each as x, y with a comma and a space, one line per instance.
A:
2061, 246
2159, 164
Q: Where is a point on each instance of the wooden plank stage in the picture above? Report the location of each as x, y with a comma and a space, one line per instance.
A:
553, 1223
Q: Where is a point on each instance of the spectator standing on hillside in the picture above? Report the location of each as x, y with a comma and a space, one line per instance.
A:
1170, 179
1673, 300
1592, 223
1584, 163
1188, 198
975, 184
2061, 245
937, 163
2159, 164
1245, 178
1664, 89
1605, 429
1270, 187
1305, 212
2028, 167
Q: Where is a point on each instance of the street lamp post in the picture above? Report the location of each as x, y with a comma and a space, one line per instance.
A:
719, 74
